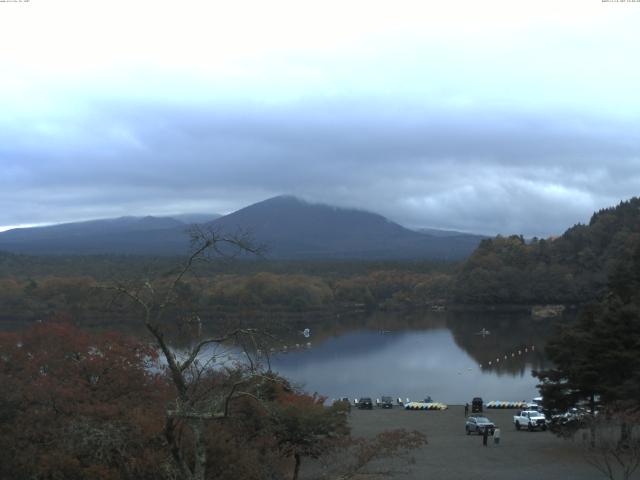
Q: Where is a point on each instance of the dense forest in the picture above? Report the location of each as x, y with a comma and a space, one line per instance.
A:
33, 287
572, 268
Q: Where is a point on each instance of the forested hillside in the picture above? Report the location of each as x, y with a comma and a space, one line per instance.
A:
287, 227
569, 269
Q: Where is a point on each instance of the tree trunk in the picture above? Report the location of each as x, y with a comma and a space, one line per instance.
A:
200, 466
296, 469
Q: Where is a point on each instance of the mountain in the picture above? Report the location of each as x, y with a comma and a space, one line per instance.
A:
295, 229
123, 235
448, 233
288, 227
199, 218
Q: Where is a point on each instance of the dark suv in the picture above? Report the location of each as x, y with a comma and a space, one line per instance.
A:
478, 424
365, 403
386, 402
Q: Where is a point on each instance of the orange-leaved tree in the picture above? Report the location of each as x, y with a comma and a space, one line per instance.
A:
75, 404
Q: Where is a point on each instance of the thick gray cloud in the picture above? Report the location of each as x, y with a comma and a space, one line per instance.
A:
486, 171
491, 117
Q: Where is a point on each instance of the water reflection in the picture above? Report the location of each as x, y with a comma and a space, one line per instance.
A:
440, 355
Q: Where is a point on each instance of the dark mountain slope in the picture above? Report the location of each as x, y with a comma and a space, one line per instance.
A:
293, 228
124, 235
290, 228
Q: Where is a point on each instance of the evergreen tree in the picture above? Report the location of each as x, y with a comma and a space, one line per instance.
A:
599, 355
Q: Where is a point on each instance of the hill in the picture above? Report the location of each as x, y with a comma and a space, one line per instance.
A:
290, 228
123, 235
295, 229
572, 268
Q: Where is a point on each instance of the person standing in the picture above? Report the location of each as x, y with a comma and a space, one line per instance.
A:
466, 410
496, 436
485, 436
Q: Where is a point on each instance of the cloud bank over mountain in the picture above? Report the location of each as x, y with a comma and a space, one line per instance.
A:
489, 119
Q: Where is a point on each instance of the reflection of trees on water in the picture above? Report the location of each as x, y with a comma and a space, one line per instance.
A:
385, 323
514, 345
509, 333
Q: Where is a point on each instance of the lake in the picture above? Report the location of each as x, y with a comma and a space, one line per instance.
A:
451, 357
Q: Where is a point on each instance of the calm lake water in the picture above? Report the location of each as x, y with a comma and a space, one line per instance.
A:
450, 357
444, 355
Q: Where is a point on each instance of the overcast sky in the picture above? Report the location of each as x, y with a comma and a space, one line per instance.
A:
484, 116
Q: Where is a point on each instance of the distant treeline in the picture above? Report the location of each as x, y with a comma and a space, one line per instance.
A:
109, 267
572, 268
32, 286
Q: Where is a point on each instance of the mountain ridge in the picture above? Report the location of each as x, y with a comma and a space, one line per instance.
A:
291, 228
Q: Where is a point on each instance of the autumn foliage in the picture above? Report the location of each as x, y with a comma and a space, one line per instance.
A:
79, 405
82, 405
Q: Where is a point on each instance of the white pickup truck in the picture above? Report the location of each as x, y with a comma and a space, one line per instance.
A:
530, 419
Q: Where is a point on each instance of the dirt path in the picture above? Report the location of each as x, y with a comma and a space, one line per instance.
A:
452, 455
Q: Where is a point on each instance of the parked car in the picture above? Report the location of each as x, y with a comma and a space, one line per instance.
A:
386, 401
478, 424
530, 419
476, 405
365, 403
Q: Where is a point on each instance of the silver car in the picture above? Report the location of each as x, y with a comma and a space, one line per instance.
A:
478, 424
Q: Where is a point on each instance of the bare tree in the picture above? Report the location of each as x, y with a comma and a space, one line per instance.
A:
612, 445
196, 402
206, 394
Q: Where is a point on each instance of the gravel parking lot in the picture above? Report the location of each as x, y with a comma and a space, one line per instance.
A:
452, 455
